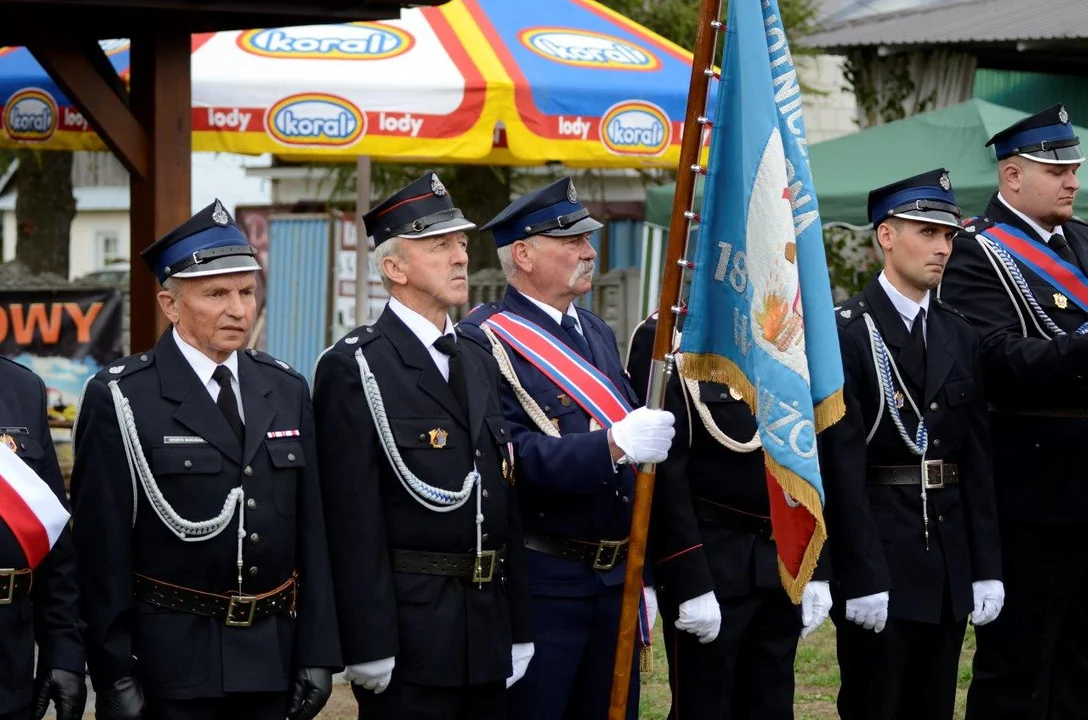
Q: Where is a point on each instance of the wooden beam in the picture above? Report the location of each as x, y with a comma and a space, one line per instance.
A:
83, 72
161, 97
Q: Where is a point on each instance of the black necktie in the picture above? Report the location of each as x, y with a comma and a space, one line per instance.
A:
227, 402
913, 357
580, 344
448, 346
1060, 246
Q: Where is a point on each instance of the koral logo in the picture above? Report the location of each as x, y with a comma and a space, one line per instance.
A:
636, 127
316, 120
30, 115
352, 41
587, 49
112, 47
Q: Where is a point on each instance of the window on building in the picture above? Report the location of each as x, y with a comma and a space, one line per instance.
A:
107, 247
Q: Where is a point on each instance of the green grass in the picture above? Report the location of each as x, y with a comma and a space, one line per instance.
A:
817, 678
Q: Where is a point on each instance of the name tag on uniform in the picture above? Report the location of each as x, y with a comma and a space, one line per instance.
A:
273, 434
14, 431
184, 440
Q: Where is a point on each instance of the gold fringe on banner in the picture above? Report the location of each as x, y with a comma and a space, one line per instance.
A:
646, 660
829, 411
806, 495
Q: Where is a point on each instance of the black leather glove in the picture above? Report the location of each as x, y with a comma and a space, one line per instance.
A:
67, 690
124, 700
312, 689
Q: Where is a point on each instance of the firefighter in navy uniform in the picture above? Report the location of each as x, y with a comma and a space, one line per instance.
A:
910, 505
211, 596
714, 559
574, 477
1016, 273
48, 597
423, 524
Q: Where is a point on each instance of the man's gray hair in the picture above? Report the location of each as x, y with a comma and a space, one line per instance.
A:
389, 248
171, 285
506, 257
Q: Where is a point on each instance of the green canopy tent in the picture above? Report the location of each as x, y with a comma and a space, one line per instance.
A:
847, 168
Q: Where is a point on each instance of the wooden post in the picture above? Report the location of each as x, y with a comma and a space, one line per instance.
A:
161, 100
362, 247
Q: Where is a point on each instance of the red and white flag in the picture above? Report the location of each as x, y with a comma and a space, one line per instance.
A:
29, 507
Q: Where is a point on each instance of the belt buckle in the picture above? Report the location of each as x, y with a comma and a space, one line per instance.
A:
938, 465
241, 601
9, 597
478, 573
612, 546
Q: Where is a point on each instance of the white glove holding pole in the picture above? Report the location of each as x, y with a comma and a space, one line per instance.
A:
989, 599
649, 596
701, 617
520, 655
815, 605
870, 611
645, 435
374, 675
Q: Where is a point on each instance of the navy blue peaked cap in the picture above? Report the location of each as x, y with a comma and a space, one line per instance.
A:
1045, 137
927, 197
208, 243
421, 209
552, 210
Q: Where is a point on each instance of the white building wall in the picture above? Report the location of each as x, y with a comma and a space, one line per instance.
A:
86, 239
831, 111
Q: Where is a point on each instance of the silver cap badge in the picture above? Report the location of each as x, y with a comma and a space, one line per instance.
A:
219, 215
436, 186
572, 194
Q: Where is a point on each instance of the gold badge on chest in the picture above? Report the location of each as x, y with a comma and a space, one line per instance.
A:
1061, 301
438, 438
10, 442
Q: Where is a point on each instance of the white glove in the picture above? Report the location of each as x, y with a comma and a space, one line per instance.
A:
645, 435
520, 655
815, 605
701, 617
649, 596
871, 611
989, 599
374, 675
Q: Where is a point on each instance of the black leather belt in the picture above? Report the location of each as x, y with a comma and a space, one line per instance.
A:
938, 474
15, 584
479, 568
233, 610
727, 517
602, 555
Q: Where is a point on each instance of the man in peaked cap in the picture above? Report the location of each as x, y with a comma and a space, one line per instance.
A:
424, 531
569, 402
1018, 274
198, 519
910, 505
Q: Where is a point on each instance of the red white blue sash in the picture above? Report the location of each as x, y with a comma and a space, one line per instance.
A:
587, 385
1065, 277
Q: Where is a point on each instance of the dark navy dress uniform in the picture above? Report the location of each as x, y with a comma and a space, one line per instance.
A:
711, 532
572, 496
1032, 661
41, 607
881, 536
158, 608
409, 582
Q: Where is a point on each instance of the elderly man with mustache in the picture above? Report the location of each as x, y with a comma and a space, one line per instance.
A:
424, 532
569, 403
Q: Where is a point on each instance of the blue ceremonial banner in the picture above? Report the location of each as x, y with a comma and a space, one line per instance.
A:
761, 317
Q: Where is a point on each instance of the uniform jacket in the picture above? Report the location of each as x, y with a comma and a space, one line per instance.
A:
568, 486
50, 616
690, 556
184, 655
876, 533
1038, 392
442, 630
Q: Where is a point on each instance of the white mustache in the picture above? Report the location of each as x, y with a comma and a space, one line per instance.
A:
584, 267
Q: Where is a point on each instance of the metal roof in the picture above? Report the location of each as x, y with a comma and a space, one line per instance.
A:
965, 23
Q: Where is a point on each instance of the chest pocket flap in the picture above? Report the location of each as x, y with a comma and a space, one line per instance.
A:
423, 433
286, 454
27, 447
716, 393
555, 403
186, 461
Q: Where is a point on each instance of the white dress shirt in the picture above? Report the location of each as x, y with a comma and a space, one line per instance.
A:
204, 366
427, 333
1044, 234
556, 315
908, 309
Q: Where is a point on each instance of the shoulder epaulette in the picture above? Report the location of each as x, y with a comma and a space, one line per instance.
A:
126, 366
267, 359
357, 338
850, 311
480, 313
973, 226
18, 366
943, 304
